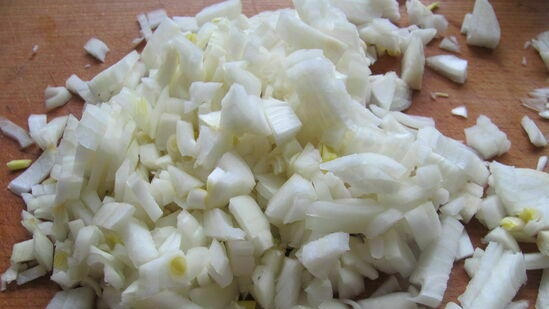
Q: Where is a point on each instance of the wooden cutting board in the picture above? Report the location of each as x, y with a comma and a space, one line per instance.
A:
496, 81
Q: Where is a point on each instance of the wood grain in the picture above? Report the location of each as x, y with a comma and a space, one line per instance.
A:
496, 82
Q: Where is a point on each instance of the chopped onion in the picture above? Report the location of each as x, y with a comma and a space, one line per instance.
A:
37, 172
413, 63
534, 134
542, 162
499, 268
449, 66
543, 292
259, 157
56, 96
460, 111
97, 49
421, 15
482, 26
15, 132
450, 44
541, 44
486, 138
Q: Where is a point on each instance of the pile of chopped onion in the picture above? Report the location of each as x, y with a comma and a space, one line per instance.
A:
256, 162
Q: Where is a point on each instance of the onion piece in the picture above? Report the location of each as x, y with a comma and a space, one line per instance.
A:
111, 80
37, 172
449, 66
56, 96
460, 111
229, 8
543, 291
482, 26
97, 48
435, 264
519, 304
82, 297
452, 305
35, 49
534, 134
155, 17
495, 265
421, 15
363, 11
320, 255
541, 44
486, 138
542, 162
413, 63
450, 44
15, 132
80, 87
392, 300
288, 285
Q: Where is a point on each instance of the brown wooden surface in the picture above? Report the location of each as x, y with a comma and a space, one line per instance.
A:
496, 82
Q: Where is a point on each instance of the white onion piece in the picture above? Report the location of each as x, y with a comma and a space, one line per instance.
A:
487, 138
56, 96
534, 134
482, 26
452, 305
519, 304
542, 162
242, 113
218, 225
362, 11
460, 111
264, 277
392, 300
449, 66
37, 172
413, 63
435, 264
155, 17
496, 268
521, 189
541, 43
491, 211
75, 85
230, 9
319, 256
503, 237
186, 23
465, 246
49, 134
105, 84
536, 261
543, 291
31, 274
318, 291
288, 286
37, 122
15, 132
82, 297
97, 48
282, 119
250, 217
420, 15
22, 252
450, 44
